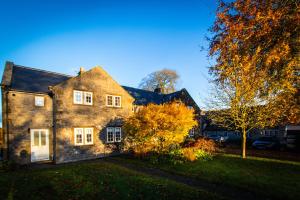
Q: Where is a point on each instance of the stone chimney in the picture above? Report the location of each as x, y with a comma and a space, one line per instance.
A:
81, 70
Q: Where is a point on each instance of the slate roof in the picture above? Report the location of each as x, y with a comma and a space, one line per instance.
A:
143, 97
35, 80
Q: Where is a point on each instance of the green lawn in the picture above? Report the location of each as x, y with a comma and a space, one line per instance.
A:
270, 178
92, 180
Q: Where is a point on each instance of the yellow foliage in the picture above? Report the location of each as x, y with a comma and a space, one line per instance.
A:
189, 154
155, 128
256, 45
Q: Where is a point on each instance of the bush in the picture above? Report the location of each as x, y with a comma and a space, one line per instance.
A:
204, 144
157, 128
189, 154
203, 155
191, 150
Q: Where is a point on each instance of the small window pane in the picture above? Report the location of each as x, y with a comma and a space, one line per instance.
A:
78, 136
110, 134
39, 101
36, 138
78, 97
118, 134
89, 136
118, 101
88, 99
43, 138
109, 100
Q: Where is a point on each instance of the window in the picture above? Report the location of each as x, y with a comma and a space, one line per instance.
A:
81, 97
118, 134
192, 132
77, 97
39, 101
83, 136
110, 134
88, 98
113, 101
78, 136
113, 134
117, 101
43, 138
109, 100
36, 138
88, 135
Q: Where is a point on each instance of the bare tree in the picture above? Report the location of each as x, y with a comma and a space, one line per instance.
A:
165, 79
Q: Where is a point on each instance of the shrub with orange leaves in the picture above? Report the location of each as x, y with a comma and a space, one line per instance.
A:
204, 144
156, 128
189, 154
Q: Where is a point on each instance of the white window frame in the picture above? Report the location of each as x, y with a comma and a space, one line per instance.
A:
113, 130
113, 134
39, 99
84, 96
120, 130
74, 97
75, 136
113, 101
85, 136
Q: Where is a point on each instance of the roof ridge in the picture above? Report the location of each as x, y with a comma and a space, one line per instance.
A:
153, 91
42, 70
141, 89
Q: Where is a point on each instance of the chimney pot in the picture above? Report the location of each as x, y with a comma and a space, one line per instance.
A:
81, 70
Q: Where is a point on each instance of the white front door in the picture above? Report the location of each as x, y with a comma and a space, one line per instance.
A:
39, 144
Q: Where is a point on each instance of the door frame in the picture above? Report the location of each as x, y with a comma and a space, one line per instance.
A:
32, 140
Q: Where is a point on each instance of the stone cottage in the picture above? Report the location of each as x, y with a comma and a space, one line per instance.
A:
48, 116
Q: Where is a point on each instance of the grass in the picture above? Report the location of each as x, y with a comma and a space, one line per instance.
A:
269, 178
92, 180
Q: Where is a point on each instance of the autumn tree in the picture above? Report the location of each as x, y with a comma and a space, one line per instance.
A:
237, 106
256, 47
155, 128
165, 79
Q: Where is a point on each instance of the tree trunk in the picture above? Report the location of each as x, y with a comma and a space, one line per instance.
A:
244, 139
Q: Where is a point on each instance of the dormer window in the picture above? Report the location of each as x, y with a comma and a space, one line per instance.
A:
113, 101
81, 97
39, 101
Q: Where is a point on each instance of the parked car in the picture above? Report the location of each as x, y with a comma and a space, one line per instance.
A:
266, 143
218, 138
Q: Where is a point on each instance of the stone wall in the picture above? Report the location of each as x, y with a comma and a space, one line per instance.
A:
23, 116
97, 116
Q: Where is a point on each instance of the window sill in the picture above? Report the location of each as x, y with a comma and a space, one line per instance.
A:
112, 142
81, 104
114, 106
83, 145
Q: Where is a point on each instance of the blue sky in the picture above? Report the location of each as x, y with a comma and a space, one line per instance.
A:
129, 39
